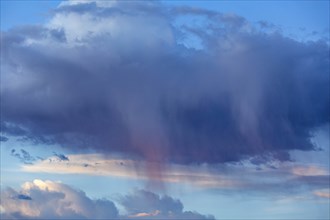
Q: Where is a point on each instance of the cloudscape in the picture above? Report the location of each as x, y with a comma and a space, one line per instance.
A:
164, 110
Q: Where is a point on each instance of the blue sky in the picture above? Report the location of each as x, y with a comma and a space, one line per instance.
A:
190, 105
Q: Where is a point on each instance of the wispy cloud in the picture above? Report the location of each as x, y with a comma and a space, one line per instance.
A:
277, 177
61, 157
24, 156
311, 170
323, 193
98, 164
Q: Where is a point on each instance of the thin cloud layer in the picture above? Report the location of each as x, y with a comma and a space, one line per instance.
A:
278, 178
323, 193
119, 77
99, 165
49, 200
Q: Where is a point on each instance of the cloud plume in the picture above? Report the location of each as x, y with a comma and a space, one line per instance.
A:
119, 77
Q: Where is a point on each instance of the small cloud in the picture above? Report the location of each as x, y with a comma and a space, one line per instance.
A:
309, 171
61, 157
26, 155
3, 139
40, 158
23, 156
144, 214
23, 197
322, 193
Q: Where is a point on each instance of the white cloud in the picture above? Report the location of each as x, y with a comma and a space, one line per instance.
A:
53, 200
48, 200
117, 21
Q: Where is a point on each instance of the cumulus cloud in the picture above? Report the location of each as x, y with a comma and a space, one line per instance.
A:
118, 77
144, 205
48, 200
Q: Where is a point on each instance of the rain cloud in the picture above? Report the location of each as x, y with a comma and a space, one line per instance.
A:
119, 77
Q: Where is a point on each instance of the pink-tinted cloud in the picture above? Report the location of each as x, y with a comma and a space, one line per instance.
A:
323, 193
98, 164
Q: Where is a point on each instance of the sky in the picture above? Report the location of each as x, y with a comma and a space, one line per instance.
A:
165, 110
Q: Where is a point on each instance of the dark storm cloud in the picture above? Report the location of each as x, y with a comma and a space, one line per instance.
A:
121, 82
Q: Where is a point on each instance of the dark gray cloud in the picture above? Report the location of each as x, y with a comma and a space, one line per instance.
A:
51, 200
61, 157
116, 79
26, 158
24, 197
23, 156
3, 138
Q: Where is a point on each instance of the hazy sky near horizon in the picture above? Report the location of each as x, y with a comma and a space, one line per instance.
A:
165, 109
